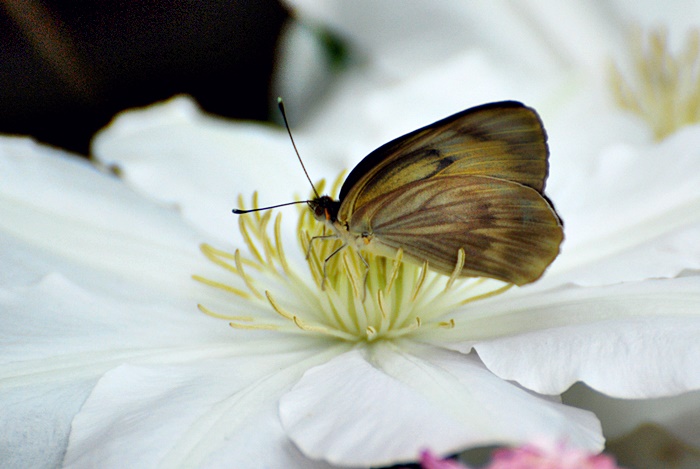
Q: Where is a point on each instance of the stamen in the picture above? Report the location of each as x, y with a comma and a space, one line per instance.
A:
447, 324
221, 286
489, 294
213, 314
256, 204
247, 239
459, 265
663, 88
419, 283
281, 257
266, 242
217, 256
343, 313
322, 330
247, 279
213, 255
257, 326
380, 303
351, 276
371, 333
395, 270
313, 260
210, 251
278, 308
337, 184
299, 324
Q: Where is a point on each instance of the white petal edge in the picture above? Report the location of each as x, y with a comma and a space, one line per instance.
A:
383, 408
216, 413
632, 340
35, 422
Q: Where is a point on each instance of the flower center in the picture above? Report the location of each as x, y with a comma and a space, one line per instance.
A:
661, 87
385, 299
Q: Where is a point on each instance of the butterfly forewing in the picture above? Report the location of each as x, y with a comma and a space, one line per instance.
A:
507, 230
503, 140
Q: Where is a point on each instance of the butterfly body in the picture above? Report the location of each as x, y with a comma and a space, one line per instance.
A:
473, 181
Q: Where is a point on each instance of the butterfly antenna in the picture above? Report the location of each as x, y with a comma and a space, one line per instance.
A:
280, 104
240, 212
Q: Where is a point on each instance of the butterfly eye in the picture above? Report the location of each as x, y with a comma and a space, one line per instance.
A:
317, 209
325, 208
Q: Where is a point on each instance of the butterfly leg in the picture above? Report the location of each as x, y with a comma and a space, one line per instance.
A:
311, 242
325, 263
365, 276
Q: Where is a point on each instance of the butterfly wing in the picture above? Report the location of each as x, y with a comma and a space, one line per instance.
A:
504, 140
507, 230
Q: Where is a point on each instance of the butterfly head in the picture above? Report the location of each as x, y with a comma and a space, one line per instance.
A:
325, 209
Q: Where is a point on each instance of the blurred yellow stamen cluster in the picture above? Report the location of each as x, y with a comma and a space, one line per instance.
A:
662, 87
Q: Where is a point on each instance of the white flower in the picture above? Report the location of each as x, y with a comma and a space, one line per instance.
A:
88, 307
100, 326
113, 272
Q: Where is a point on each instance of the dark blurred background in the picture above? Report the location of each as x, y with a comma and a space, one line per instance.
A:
67, 66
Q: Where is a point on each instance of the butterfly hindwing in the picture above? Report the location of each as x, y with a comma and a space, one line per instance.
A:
507, 230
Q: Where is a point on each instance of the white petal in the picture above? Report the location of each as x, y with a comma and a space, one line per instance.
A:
62, 323
359, 122
632, 212
359, 117
60, 215
629, 340
70, 336
66, 209
35, 421
629, 256
217, 413
57, 339
93, 275
383, 405
175, 153
544, 35
648, 14
69, 332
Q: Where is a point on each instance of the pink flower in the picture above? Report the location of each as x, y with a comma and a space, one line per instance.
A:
549, 457
429, 461
530, 456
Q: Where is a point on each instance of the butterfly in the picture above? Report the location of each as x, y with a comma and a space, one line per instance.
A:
471, 182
